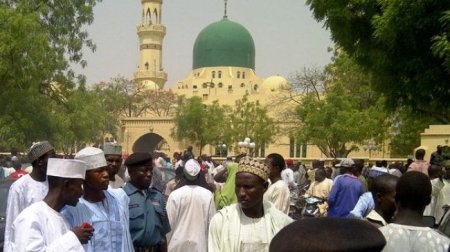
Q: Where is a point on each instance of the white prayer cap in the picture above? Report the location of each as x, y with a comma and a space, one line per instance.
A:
94, 157
66, 168
191, 169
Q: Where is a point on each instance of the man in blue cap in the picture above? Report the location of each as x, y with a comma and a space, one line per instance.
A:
148, 219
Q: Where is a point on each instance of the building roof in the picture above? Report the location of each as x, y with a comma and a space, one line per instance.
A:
224, 43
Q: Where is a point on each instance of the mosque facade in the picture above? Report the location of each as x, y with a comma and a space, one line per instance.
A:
223, 69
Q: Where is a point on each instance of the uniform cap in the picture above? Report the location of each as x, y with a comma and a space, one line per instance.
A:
139, 158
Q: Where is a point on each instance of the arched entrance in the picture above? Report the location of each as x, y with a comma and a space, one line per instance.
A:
150, 142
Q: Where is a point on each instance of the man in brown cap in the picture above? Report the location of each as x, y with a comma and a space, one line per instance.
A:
250, 224
30, 188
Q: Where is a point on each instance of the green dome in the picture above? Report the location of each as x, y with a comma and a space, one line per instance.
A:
224, 43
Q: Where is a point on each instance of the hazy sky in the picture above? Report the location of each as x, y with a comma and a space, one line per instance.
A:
286, 36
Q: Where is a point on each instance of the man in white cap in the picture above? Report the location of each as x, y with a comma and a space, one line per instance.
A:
190, 209
29, 188
113, 155
40, 227
105, 209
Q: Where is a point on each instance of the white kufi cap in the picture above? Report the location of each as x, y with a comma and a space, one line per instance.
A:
94, 157
191, 169
66, 168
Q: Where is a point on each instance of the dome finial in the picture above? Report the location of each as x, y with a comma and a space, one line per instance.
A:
225, 9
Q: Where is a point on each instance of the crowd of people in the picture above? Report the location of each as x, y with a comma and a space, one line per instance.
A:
148, 202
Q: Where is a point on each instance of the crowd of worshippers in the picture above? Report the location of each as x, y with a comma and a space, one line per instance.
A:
99, 202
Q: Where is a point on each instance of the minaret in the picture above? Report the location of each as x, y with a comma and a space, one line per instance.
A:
151, 34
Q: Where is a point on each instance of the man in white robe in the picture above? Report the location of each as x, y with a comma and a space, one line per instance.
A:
190, 209
250, 224
407, 232
29, 188
105, 209
443, 194
278, 192
40, 227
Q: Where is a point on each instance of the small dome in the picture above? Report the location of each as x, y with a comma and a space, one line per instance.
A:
224, 43
274, 83
150, 85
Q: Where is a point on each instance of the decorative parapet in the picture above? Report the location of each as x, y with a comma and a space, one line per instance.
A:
135, 121
143, 75
151, 28
151, 1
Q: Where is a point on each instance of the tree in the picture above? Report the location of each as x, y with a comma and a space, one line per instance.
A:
162, 103
198, 123
38, 41
405, 132
403, 45
250, 119
343, 114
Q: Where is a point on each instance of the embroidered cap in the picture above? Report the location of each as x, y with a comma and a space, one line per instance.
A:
254, 166
112, 149
66, 168
38, 149
94, 157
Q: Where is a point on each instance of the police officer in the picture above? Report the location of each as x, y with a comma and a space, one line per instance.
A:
148, 219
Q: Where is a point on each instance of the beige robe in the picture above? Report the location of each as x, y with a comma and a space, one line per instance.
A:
225, 227
278, 194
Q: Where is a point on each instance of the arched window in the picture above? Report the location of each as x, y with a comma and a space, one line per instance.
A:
243, 75
194, 87
238, 75
220, 85
242, 85
219, 74
155, 17
255, 87
148, 17
205, 85
213, 74
146, 65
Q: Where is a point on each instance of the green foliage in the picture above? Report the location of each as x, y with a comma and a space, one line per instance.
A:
403, 44
344, 114
198, 123
203, 124
406, 129
38, 41
250, 119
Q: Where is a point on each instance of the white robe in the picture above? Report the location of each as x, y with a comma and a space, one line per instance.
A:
40, 228
23, 192
278, 193
189, 209
443, 198
411, 238
226, 227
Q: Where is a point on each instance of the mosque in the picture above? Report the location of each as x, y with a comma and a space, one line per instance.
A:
223, 69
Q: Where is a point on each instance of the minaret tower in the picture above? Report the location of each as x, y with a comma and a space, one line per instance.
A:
151, 34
